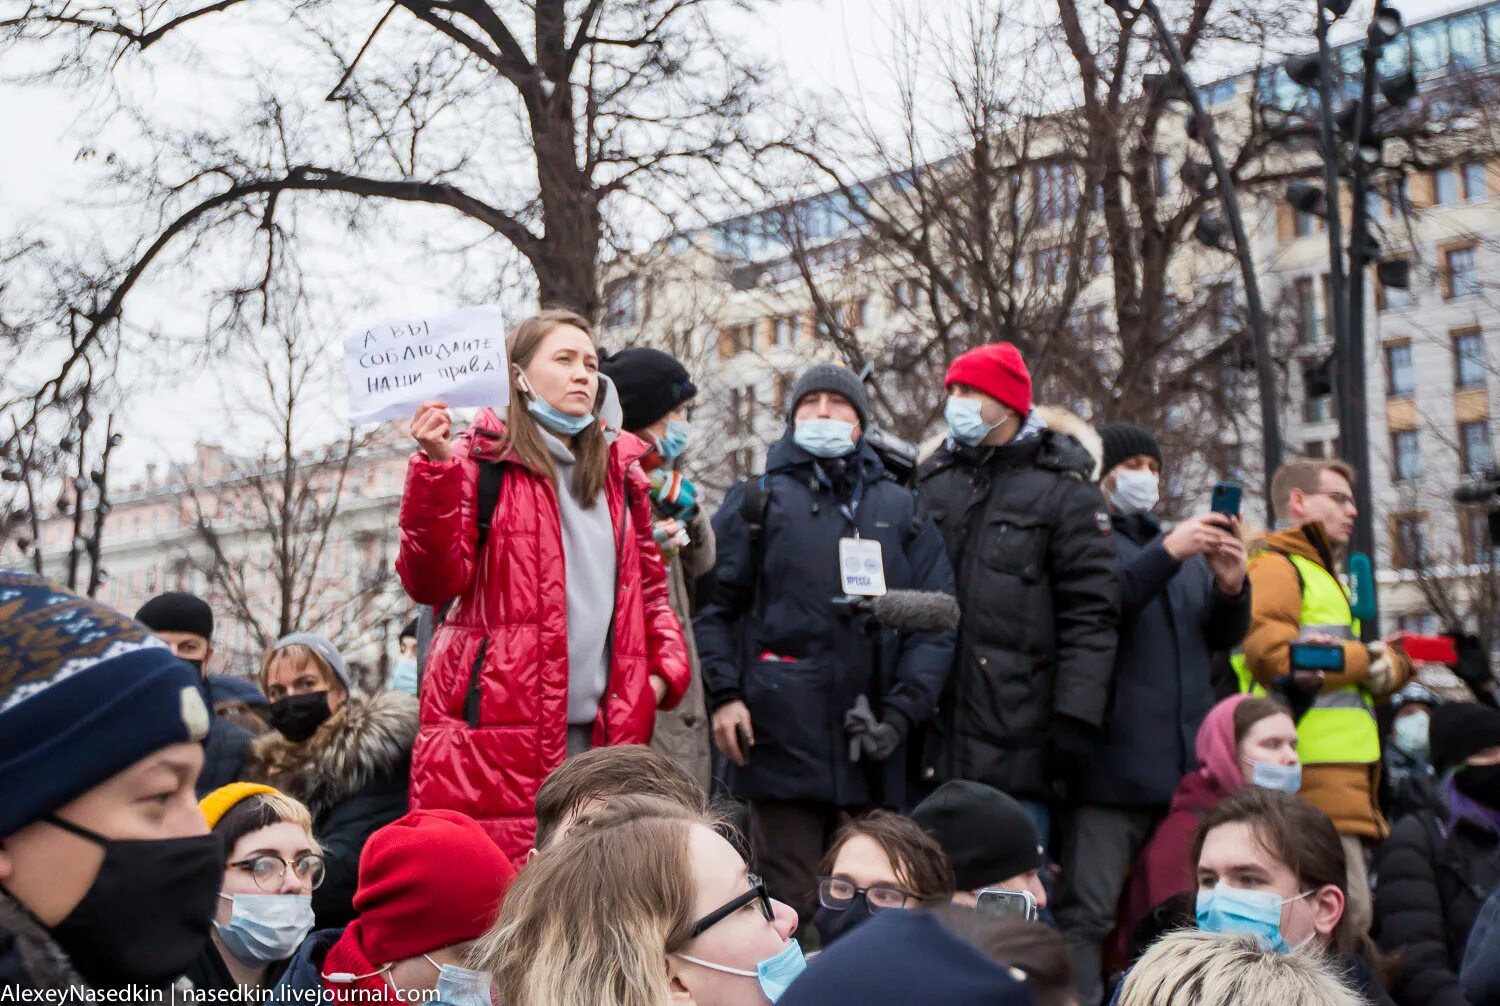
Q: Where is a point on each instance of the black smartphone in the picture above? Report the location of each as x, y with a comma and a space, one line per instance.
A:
1317, 657
1226, 499
1006, 904
743, 736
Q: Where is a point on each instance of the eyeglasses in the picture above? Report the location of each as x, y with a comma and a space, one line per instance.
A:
1339, 499
757, 892
838, 894
270, 871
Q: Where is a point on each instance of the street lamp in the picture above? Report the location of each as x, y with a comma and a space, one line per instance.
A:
1401, 89
1385, 25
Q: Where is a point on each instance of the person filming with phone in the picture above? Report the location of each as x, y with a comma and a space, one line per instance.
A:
1183, 595
1304, 642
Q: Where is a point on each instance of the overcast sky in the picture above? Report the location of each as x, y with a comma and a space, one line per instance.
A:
829, 47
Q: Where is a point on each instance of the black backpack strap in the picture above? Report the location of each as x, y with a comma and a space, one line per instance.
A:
491, 475
753, 508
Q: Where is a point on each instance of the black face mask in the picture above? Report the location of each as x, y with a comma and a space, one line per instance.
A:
833, 923
148, 914
297, 717
1479, 782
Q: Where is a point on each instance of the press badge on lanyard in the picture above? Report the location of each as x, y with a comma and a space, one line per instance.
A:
861, 567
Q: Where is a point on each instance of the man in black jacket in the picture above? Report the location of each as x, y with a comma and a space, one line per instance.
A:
186, 623
1029, 539
783, 666
1183, 596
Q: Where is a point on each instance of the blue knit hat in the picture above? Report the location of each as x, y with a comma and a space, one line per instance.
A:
85, 692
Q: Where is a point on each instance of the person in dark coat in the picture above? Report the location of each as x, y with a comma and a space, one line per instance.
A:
1409, 783
784, 666
347, 756
1011, 490
186, 623
1437, 868
1183, 595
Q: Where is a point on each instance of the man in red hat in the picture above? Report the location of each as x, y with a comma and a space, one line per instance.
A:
1012, 491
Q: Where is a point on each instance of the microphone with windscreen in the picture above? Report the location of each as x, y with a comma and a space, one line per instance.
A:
905, 611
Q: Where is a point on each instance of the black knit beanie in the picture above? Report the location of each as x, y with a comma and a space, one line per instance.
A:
650, 383
178, 612
834, 378
1460, 729
986, 834
1126, 440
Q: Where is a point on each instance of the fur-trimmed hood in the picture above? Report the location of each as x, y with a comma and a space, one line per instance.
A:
369, 737
1056, 419
29, 957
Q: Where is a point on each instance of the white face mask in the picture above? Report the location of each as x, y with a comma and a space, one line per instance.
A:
1136, 491
266, 927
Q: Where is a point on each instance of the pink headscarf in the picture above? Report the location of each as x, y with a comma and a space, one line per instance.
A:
1218, 755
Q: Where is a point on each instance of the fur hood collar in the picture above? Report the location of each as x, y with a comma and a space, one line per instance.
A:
1057, 420
370, 737
29, 957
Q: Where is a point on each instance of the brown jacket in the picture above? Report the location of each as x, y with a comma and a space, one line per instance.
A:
1346, 793
682, 734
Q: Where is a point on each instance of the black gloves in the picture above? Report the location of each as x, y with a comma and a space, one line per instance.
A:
874, 739
1070, 750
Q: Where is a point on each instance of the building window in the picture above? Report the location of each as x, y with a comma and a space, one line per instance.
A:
742, 410
620, 307
1313, 449
1309, 312
784, 330
1225, 312
1419, 623
1307, 223
1406, 451
736, 339
1468, 360
1317, 386
906, 293
1056, 188
1474, 528
852, 314
1393, 298
1400, 380
1474, 451
1163, 175
1446, 187
1409, 543
1461, 272
1476, 182
1099, 253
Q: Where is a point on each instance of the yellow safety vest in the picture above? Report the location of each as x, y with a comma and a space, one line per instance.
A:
1340, 727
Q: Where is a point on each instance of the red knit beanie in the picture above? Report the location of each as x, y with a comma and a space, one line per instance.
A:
428, 880
998, 371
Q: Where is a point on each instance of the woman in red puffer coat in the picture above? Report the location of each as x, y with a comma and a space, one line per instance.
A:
561, 636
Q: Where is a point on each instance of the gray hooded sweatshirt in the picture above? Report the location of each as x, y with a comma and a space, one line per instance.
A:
588, 537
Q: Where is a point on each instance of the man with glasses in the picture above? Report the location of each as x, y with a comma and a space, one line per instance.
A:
1296, 597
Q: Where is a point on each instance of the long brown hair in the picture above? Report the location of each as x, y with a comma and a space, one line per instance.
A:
916, 857
523, 440
1302, 837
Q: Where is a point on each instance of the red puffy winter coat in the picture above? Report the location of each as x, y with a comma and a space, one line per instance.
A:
505, 640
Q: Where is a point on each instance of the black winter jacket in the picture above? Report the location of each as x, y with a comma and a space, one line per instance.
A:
1029, 539
30, 958
1172, 617
1430, 884
800, 665
225, 750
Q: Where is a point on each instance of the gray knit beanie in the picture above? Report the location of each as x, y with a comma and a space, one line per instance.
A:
834, 378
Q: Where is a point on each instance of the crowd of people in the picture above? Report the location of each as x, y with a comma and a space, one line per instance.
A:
650, 755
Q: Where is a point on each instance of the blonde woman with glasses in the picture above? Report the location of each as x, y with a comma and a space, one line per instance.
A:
641, 904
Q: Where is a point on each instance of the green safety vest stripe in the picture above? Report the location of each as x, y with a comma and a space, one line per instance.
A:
1340, 727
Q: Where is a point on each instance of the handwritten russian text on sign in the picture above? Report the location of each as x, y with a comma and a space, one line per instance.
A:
393, 365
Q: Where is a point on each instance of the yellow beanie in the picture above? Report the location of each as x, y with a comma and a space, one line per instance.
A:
222, 800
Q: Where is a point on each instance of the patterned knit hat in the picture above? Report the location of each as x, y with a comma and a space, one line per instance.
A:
85, 693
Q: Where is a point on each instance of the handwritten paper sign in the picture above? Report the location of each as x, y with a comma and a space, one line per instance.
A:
393, 365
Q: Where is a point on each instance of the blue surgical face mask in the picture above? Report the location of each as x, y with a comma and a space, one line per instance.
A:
266, 927
1410, 735
551, 417
775, 974
966, 421
673, 442
1287, 778
824, 438
1225, 909
458, 986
